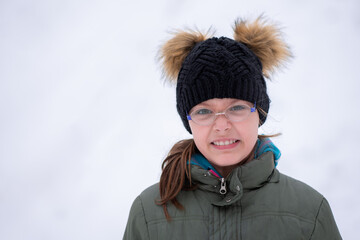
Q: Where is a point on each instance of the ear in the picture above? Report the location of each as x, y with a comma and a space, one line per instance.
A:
173, 53
265, 41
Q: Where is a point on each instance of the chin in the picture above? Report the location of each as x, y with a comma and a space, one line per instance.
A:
224, 162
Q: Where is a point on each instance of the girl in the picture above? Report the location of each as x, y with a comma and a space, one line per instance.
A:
223, 183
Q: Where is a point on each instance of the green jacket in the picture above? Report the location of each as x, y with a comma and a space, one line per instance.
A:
260, 203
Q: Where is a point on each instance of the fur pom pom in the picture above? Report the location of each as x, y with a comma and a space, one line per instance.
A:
173, 53
265, 41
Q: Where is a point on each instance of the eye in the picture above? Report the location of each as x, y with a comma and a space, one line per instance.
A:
203, 111
237, 108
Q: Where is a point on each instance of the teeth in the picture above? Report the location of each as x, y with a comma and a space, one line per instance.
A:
221, 143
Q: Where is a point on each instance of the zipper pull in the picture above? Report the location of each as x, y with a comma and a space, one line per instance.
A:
223, 186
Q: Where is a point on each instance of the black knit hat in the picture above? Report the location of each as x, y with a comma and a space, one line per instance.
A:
206, 68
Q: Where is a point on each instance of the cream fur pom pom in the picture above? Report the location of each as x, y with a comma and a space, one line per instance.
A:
265, 41
173, 53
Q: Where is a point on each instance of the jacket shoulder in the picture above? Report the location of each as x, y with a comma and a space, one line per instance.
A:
150, 193
141, 212
295, 198
313, 206
149, 198
136, 227
299, 188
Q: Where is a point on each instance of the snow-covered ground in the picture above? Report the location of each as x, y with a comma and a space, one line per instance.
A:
85, 119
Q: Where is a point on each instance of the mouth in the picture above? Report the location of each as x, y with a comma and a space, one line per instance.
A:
224, 143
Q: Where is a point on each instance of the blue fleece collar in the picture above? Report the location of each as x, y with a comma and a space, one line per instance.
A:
266, 145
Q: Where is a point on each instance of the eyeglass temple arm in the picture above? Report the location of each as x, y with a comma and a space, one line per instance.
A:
253, 108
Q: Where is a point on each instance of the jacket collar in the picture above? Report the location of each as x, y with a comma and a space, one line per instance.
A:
247, 177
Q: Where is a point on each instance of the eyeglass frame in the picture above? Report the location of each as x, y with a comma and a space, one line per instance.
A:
252, 109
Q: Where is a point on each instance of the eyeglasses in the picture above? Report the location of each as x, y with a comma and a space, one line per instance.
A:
235, 113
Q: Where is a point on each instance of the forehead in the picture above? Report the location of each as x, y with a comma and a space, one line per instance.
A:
222, 102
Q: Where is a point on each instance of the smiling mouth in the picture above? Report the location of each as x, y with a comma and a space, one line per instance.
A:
224, 143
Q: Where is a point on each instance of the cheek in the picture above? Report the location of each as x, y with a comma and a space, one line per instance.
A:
248, 133
200, 134
249, 129
253, 136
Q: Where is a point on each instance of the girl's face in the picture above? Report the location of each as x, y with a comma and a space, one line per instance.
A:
224, 143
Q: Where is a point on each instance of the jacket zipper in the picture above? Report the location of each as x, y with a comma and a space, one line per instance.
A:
222, 186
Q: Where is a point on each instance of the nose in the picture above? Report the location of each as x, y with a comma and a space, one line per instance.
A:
222, 123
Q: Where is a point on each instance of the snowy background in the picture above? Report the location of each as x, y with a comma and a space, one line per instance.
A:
85, 119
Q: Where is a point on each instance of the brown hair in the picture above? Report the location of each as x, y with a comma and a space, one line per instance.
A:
176, 173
